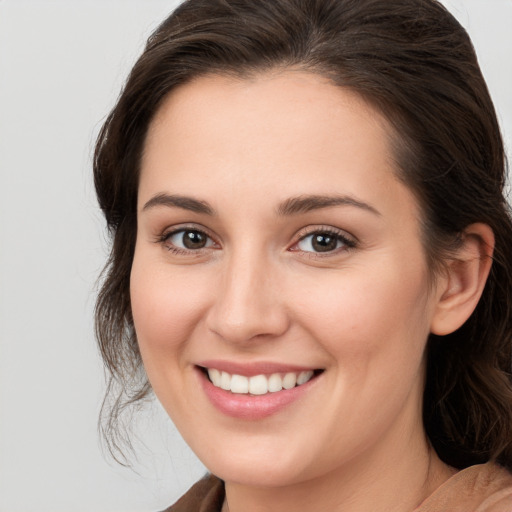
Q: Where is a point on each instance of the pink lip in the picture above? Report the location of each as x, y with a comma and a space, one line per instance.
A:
251, 407
251, 369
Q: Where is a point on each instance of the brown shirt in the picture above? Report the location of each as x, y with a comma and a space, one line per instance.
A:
482, 488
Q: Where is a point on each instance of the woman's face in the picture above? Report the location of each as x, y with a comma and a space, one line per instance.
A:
275, 243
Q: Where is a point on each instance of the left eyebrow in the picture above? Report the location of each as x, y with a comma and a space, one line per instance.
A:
307, 203
178, 201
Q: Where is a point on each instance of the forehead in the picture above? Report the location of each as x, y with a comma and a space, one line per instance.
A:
288, 133
282, 103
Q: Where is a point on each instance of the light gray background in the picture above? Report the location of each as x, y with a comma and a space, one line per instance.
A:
62, 63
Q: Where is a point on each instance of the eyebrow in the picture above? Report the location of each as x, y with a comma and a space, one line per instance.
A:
177, 201
307, 203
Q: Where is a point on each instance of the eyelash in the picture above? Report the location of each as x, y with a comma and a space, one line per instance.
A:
348, 243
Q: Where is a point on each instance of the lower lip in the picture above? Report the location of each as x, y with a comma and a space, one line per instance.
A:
252, 407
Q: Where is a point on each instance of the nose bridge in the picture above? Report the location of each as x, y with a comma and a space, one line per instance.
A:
247, 303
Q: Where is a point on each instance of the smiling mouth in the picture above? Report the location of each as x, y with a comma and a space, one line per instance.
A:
258, 384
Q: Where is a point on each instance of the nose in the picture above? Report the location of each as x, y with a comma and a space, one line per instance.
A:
248, 304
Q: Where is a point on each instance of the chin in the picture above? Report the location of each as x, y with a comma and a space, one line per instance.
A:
271, 473
259, 462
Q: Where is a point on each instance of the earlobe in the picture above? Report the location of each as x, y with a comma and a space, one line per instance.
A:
464, 281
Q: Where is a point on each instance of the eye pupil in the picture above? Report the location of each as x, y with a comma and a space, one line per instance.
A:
323, 242
194, 240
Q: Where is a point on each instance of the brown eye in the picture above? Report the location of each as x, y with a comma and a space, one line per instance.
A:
324, 241
194, 239
189, 239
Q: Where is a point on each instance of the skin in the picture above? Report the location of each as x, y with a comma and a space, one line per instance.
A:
259, 292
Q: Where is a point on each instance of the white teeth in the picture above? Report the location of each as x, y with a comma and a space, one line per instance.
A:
289, 381
275, 383
239, 384
258, 384
225, 381
214, 376
304, 377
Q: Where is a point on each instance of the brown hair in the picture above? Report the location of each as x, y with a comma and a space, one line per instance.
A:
413, 62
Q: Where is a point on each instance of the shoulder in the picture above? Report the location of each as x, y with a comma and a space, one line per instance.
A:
480, 488
207, 495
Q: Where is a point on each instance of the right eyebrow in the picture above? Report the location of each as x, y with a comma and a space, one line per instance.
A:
178, 201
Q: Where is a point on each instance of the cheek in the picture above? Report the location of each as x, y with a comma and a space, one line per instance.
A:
166, 306
359, 315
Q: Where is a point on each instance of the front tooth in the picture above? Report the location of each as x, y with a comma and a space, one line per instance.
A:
225, 381
289, 381
275, 383
258, 385
214, 375
304, 377
239, 384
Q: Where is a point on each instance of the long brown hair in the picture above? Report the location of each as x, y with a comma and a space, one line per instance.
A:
414, 63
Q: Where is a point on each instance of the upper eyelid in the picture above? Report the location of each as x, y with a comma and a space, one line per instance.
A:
171, 230
310, 230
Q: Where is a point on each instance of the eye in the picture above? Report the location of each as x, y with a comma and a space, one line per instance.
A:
188, 240
323, 242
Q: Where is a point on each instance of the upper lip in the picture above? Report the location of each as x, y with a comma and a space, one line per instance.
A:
254, 368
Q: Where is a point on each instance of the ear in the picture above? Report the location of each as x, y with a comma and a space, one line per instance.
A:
460, 289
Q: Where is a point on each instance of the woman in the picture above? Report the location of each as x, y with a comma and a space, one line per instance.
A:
309, 264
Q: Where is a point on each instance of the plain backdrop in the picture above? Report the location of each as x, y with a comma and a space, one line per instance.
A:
62, 64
